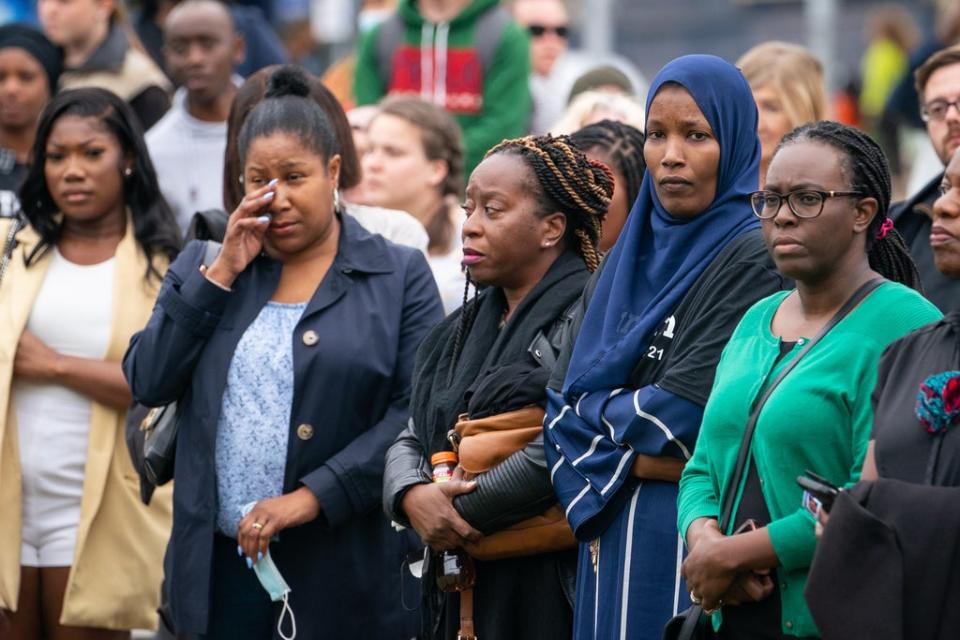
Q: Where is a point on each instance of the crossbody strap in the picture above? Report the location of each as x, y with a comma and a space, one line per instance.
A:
9, 244
847, 307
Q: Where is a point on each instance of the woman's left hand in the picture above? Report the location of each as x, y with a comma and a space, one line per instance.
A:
273, 515
709, 571
34, 359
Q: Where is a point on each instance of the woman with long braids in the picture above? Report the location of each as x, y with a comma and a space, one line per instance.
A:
626, 400
534, 209
824, 216
620, 147
81, 554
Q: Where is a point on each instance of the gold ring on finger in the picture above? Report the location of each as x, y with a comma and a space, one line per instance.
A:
257, 526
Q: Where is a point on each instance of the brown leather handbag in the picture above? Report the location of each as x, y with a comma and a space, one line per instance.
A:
484, 443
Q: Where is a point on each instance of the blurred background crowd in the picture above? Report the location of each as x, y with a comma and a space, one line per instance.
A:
868, 50
414, 96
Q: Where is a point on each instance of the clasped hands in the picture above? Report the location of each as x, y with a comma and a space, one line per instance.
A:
430, 510
714, 577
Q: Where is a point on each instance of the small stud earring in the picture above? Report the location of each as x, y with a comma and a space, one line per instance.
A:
240, 179
128, 172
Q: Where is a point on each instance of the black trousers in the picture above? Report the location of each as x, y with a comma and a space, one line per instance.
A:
518, 599
240, 608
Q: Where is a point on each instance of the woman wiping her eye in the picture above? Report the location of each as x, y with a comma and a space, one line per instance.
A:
292, 389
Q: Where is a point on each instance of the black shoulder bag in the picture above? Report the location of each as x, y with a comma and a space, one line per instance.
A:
693, 623
152, 432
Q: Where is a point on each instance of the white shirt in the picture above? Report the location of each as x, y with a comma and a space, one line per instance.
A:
396, 226
188, 156
72, 315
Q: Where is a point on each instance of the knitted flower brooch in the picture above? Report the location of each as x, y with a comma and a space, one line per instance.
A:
938, 402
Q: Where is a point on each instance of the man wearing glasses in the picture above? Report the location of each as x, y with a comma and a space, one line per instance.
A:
938, 85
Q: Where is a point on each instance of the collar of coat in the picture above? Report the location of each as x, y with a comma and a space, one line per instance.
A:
361, 251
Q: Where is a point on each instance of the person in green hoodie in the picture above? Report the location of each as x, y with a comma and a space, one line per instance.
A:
466, 56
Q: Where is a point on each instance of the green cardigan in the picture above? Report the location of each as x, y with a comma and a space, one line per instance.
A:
818, 418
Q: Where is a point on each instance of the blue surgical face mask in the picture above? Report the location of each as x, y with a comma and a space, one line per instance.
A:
273, 583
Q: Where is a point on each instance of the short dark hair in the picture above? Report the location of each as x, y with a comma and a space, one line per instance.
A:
154, 225
250, 95
942, 58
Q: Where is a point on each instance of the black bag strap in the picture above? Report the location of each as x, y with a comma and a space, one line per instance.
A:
9, 244
738, 471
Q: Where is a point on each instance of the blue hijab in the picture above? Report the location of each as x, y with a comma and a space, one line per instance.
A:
658, 257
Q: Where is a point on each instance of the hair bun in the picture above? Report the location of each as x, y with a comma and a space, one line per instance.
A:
288, 81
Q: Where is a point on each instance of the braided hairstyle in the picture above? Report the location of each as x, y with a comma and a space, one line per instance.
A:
622, 144
567, 182
867, 168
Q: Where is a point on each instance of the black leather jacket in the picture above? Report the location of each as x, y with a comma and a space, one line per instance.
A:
513, 491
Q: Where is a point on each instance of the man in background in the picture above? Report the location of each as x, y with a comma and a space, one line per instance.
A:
938, 85
202, 48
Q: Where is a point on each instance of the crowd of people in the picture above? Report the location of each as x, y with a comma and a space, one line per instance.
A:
472, 349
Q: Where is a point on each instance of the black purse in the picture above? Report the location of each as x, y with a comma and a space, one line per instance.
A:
152, 431
694, 623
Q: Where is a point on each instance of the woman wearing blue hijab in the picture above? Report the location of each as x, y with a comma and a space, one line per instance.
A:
627, 399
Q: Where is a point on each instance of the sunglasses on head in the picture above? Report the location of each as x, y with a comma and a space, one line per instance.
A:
537, 30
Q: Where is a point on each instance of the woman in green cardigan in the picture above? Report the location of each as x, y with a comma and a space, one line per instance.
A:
824, 217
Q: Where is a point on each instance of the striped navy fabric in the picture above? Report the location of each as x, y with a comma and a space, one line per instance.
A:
629, 581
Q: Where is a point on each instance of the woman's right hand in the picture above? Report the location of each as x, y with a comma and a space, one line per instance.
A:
243, 239
429, 507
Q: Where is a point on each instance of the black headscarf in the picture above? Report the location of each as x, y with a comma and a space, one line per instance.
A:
437, 398
32, 41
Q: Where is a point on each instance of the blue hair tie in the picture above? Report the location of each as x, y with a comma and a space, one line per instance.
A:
938, 402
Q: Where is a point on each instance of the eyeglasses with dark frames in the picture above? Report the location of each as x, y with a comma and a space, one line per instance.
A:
936, 110
804, 203
537, 30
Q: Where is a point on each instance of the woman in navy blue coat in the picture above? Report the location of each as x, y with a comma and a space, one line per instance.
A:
292, 356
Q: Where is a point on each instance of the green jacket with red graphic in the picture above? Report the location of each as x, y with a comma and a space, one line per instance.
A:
477, 67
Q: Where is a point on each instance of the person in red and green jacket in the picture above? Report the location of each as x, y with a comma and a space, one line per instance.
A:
466, 56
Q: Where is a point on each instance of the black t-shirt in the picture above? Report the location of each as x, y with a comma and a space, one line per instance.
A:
902, 445
755, 620
683, 355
